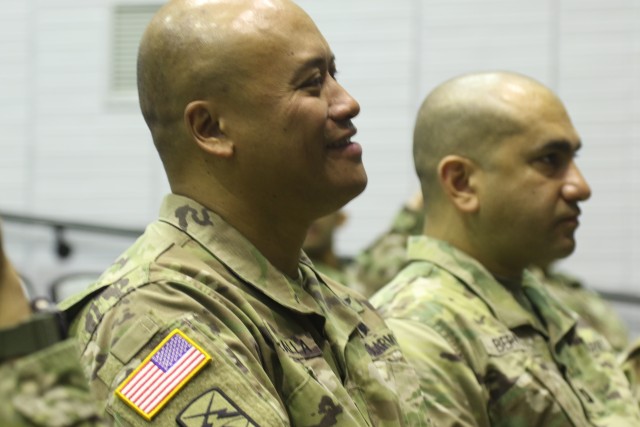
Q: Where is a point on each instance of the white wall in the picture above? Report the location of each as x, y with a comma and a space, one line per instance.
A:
599, 78
69, 149
14, 102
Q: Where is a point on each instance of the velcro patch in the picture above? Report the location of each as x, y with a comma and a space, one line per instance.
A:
502, 344
162, 374
378, 343
211, 409
299, 347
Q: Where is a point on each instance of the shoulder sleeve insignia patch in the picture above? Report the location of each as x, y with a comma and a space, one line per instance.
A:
213, 408
162, 374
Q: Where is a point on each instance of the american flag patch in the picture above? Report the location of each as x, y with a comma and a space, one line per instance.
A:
162, 374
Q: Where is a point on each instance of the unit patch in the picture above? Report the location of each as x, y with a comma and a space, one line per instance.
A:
214, 409
162, 374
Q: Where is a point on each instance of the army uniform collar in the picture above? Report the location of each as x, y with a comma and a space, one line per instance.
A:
233, 250
559, 320
503, 304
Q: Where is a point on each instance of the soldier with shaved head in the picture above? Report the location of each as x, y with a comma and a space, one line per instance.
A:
495, 156
215, 316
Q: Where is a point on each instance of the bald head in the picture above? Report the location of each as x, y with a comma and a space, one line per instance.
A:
195, 50
468, 116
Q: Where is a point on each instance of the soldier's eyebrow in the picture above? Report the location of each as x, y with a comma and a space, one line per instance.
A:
317, 62
562, 145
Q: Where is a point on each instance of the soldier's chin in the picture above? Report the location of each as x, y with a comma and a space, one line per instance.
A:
566, 249
344, 195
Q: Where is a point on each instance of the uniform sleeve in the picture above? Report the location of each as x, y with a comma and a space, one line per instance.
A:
47, 388
451, 390
631, 366
138, 374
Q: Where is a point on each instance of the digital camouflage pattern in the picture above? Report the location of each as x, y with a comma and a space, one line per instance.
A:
378, 264
485, 360
591, 307
47, 388
284, 352
339, 274
631, 366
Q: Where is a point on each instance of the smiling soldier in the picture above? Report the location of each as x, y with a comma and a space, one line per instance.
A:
215, 316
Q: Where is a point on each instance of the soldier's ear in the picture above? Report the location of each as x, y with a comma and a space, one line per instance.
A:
458, 179
206, 127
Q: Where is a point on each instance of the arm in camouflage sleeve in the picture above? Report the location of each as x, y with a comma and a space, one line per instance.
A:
47, 388
454, 396
232, 386
631, 366
41, 381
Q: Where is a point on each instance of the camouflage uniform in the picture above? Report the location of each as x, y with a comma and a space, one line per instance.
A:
631, 366
485, 360
47, 388
283, 352
384, 258
591, 307
336, 274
